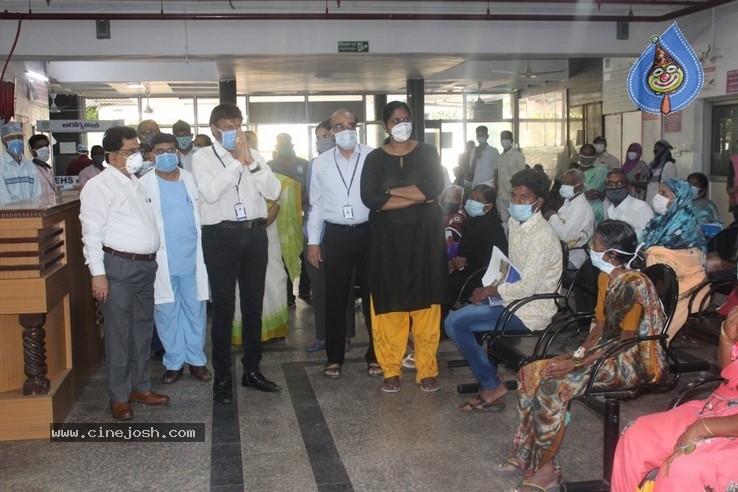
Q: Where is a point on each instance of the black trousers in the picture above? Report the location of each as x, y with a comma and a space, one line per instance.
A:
235, 255
344, 249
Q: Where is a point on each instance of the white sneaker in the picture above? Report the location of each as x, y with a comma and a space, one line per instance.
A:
409, 361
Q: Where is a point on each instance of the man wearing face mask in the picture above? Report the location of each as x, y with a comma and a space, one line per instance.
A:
20, 179
338, 236
483, 161
621, 205
181, 287
574, 221
120, 244
39, 145
183, 133
98, 158
324, 142
604, 158
535, 251
511, 161
234, 183
594, 180
146, 131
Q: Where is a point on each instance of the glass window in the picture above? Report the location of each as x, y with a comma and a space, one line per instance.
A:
723, 138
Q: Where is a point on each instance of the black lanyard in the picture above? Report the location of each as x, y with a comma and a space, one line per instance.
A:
240, 175
348, 188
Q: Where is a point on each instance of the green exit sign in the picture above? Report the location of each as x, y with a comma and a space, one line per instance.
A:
353, 46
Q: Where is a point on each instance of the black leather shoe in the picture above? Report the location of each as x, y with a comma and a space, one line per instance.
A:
257, 381
222, 392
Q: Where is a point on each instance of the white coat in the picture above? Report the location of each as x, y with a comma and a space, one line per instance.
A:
163, 286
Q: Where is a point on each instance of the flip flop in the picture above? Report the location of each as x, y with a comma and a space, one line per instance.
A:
508, 468
391, 385
429, 385
478, 404
552, 487
374, 370
332, 371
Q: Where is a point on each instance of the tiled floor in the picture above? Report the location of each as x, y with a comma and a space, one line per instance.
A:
317, 434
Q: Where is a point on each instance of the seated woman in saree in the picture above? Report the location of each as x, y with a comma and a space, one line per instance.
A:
673, 237
692, 447
627, 306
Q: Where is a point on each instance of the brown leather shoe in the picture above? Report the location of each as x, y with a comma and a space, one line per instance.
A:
201, 373
121, 411
172, 376
149, 398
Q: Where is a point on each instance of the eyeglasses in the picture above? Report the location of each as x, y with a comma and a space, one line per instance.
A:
340, 127
127, 152
170, 150
615, 184
397, 121
146, 133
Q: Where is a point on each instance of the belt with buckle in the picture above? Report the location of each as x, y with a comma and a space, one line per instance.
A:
348, 226
241, 224
130, 256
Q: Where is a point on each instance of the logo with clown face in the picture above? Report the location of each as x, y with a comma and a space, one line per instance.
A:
667, 76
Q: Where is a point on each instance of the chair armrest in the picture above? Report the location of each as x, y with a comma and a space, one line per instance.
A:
677, 400
617, 348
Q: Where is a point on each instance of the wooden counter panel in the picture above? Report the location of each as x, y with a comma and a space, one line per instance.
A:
11, 362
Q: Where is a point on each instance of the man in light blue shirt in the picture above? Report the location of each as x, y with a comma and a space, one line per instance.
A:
18, 175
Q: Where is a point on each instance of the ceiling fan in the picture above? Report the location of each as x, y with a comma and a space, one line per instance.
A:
528, 73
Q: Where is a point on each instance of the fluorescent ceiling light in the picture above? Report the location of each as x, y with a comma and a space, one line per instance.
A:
135, 85
37, 76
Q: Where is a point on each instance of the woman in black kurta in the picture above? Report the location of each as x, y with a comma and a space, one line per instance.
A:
407, 251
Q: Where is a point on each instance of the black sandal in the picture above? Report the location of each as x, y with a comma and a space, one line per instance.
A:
332, 371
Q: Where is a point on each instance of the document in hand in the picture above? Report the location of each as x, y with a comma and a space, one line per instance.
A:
499, 271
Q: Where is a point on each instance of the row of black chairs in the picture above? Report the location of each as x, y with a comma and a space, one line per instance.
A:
565, 333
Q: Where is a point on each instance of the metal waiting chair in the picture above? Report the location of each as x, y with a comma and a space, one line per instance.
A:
667, 286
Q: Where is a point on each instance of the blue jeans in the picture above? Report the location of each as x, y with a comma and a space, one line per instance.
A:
460, 327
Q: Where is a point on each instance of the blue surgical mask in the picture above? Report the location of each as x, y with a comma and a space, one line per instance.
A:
184, 142
15, 147
474, 208
347, 139
599, 262
228, 138
566, 191
696, 191
166, 163
522, 211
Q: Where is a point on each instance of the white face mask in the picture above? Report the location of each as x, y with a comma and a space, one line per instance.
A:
482, 140
599, 148
347, 139
632, 156
660, 204
566, 191
43, 154
134, 163
401, 132
506, 144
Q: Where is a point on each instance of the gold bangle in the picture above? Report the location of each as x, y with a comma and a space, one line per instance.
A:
724, 335
707, 428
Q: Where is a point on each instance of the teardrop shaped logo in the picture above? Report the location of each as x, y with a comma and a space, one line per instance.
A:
667, 76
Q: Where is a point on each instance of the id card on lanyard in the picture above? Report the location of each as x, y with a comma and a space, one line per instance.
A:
348, 209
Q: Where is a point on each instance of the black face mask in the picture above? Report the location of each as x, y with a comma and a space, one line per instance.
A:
616, 195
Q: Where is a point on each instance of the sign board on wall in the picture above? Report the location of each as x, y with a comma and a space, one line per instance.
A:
731, 81
353, 46
76, 126
673, 122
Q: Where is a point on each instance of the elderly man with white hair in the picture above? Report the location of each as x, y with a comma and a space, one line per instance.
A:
574, 221
18, 175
